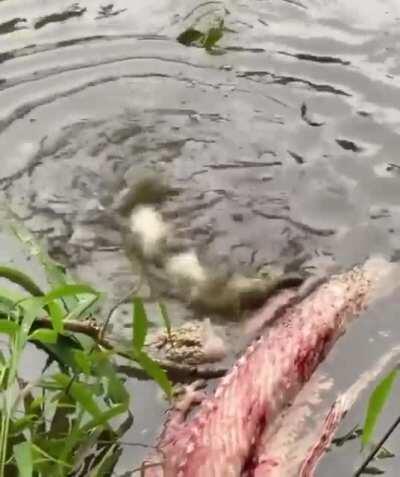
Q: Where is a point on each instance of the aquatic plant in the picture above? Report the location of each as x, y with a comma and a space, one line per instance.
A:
207, 28
376, 404
71, 418
205, 39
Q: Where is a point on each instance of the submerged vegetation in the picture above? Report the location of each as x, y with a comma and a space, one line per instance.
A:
69, 420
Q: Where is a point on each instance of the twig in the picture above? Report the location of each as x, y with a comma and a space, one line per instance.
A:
377, 447
143, 467
118, 304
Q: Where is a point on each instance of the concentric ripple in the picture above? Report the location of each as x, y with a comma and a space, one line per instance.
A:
285, 146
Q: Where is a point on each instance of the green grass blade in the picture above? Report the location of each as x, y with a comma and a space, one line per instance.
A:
23, 458
376, 404
165, 317
140, 324
155, 372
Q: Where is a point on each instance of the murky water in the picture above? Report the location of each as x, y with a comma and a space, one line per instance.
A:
285, 147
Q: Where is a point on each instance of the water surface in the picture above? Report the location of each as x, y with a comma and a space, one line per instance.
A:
285, 147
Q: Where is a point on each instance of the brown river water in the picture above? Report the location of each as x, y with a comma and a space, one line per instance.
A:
285, 147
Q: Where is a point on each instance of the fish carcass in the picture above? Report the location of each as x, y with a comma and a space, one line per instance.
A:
224, 437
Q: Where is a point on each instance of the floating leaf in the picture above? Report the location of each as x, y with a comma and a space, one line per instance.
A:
190, 36
376, 403
23, 458
140, 324
385, 454
373, 471
349, 436
212, 37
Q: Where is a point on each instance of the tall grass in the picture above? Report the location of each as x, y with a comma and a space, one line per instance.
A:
71, 418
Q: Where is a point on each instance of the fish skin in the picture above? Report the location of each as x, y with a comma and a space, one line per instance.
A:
221, 439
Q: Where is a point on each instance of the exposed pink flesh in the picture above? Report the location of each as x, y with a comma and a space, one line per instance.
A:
281, 450
267, 314
222, 439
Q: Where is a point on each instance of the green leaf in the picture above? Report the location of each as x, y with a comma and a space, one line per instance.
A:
212, 37
6, 305
190, 36
81, 392
9, 327
376, 403
62, 292
70, 290
140, 324
105, 417
83, 360
63, 351
116, 390
44, 336
23, 458
21, 424
165, 317
56, 315
20, 279
155, 372
56, 277
83, 310
55, 272
32, 309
